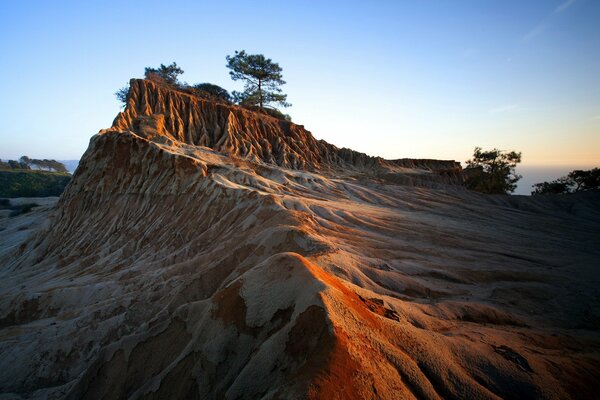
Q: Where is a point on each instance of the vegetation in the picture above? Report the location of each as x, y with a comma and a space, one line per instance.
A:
273, 112
165, 73
576, 181
262, 78
122, 95
262, 84
48, 165
31, 183
213, 91
12, 164
492, 171
26, 163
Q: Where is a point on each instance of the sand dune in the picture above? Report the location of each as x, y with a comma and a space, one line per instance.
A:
205, 251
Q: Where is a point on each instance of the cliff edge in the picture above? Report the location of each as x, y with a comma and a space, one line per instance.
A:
158, 112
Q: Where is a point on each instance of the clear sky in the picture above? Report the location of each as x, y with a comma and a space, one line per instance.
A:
423, 79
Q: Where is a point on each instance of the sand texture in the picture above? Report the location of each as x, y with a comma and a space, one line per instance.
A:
203, 251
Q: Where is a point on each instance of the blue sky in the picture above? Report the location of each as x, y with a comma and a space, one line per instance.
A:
423, 79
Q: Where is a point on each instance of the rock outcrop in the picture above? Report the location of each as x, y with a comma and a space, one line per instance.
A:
202, 251
160, 113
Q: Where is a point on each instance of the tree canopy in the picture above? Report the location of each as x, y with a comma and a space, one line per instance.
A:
492, 171
576, 181
262, 80
164, 73
214, 91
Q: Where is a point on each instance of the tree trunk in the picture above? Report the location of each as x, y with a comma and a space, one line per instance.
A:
260, 96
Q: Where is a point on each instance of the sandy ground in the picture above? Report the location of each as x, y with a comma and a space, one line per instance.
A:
15, 230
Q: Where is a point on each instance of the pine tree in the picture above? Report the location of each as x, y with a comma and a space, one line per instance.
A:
262, 78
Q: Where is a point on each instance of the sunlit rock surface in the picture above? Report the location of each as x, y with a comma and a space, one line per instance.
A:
203, 251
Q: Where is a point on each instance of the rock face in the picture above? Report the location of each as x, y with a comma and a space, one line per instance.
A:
203, 251
161, 114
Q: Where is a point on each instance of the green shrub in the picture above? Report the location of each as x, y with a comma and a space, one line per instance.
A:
212, 91
165, 73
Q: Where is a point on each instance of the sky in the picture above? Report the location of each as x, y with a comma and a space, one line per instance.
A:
418, 79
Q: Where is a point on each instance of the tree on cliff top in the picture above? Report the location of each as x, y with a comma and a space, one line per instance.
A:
262, 78
122, 94
165, 73
492, 171
214, 91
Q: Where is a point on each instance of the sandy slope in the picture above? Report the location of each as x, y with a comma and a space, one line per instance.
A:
171, 270
15, 230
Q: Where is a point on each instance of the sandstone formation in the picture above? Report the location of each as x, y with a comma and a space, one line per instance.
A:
163, 115
204, 251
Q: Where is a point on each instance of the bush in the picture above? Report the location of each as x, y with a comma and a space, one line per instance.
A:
164, 74
122, 95
273, 112
212, 91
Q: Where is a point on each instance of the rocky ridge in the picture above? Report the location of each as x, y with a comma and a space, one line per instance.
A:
159, 113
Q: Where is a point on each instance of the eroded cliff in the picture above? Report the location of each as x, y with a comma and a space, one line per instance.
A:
202, 251
161, 113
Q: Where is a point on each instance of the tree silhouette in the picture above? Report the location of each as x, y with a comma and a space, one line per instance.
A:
122, 94
576, 181
262, 79
492, 171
